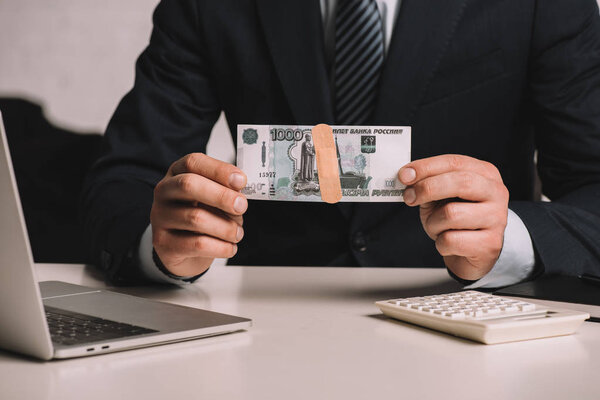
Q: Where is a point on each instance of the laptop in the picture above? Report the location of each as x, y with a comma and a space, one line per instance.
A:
62, 320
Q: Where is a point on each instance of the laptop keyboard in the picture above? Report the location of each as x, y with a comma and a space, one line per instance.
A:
70, 328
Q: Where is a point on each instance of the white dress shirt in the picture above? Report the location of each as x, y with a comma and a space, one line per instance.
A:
516, 260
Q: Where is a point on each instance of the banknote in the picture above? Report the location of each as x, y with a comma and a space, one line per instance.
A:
280, 162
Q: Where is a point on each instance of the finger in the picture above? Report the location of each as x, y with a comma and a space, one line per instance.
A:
200, 220
465, 185
462, 268
480, 246
217, 171
195, 188
238, 219
463, 216
188, 244
421, 169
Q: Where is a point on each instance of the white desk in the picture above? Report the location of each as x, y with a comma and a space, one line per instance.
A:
316, 335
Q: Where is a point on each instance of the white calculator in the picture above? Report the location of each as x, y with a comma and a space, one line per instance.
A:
483, 317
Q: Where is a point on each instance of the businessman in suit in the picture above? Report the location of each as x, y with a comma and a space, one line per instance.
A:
483, 83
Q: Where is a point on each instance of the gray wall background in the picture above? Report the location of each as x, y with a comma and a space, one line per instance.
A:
76, 59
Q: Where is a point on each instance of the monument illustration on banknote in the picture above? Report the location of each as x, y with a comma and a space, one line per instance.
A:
304, 177
280, 162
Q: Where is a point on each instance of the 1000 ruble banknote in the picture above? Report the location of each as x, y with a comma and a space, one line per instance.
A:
280, 162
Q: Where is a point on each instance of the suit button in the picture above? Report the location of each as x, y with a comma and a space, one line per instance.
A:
359, 242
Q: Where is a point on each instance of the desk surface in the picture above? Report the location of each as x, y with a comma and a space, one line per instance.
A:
316, 335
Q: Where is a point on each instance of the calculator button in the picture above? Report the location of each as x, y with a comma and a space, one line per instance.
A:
526, 307
455, 315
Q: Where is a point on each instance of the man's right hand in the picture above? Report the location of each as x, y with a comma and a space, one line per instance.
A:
197, 214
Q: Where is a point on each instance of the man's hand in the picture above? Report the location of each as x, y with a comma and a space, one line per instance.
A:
197, 213
463, 208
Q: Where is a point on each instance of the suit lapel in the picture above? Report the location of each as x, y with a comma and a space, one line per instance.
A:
294, 34
421, 34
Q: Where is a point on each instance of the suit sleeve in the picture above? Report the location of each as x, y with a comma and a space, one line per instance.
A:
169, 113
565, 96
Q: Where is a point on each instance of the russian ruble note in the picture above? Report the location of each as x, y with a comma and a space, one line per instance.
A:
280, 162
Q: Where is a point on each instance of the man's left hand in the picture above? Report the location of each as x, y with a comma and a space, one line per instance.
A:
463, 208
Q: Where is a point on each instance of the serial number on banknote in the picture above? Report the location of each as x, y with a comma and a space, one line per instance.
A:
280, 162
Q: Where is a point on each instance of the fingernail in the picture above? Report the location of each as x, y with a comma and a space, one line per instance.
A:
407, 175
240, 204
237, 180
234, 250
240, 233
409, 196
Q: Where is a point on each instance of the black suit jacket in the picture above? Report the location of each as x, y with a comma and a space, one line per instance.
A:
492, 79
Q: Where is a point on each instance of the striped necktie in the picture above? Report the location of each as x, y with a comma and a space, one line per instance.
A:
359, 52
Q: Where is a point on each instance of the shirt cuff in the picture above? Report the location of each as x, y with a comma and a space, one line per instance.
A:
149, 268
517, 258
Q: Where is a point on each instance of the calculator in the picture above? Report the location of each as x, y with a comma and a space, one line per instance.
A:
483, 317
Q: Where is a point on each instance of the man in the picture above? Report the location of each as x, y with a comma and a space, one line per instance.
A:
483, 83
